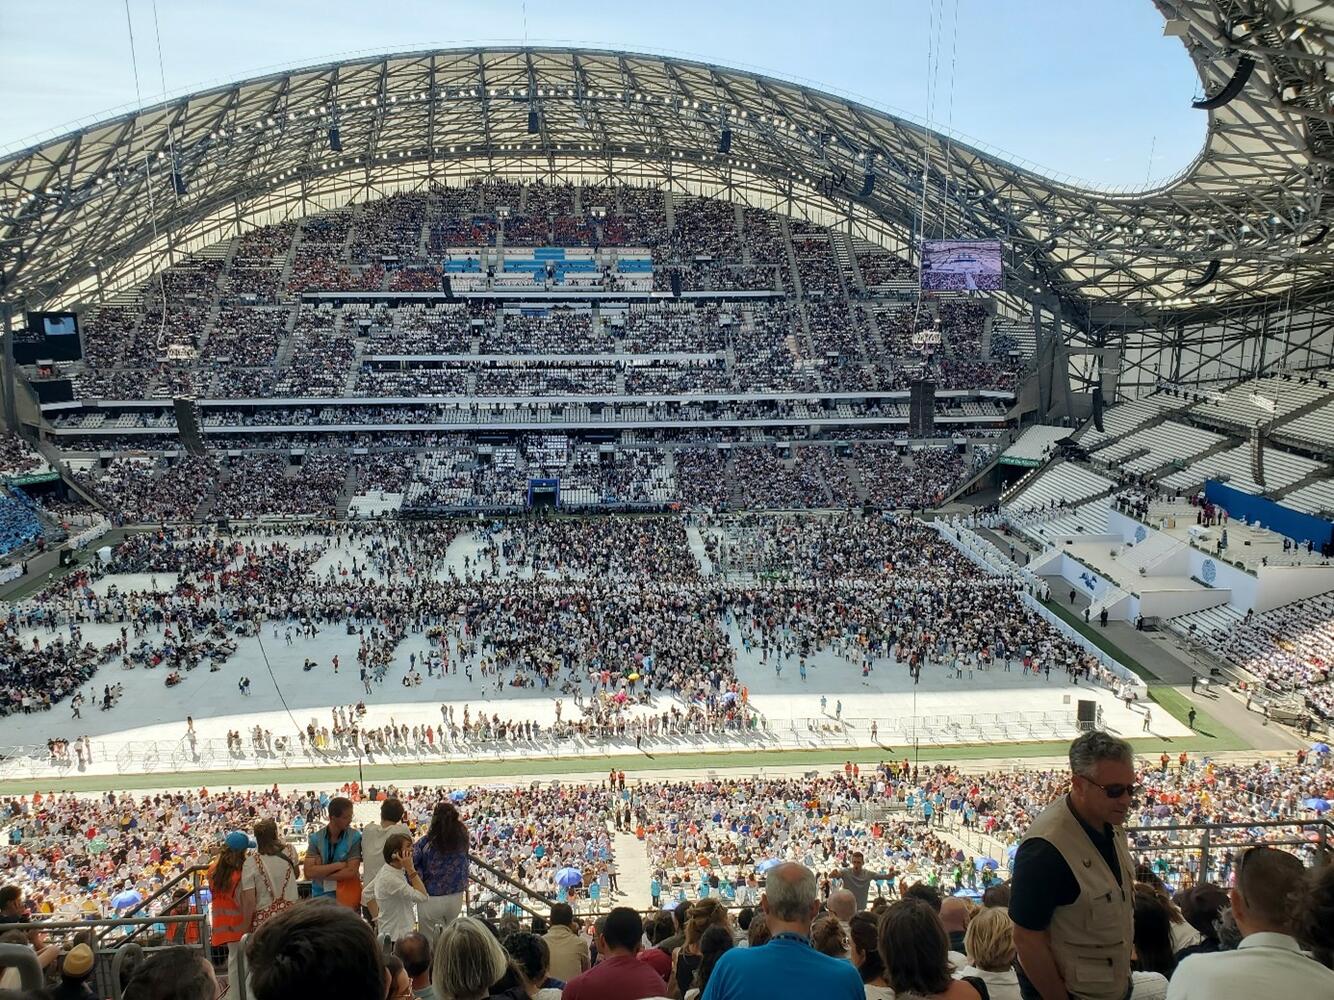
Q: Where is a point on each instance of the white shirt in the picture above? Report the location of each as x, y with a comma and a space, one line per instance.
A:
373, 836
284, 877
397, 899
1183, 936
1148, 986
1000, 985
1264, 965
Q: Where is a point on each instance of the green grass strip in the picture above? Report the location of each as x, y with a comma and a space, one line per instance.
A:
1098, 637
1219, 736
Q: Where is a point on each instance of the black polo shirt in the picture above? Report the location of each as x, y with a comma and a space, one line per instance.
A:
1042, 881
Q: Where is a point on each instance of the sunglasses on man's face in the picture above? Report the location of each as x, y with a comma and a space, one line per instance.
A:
1116, 791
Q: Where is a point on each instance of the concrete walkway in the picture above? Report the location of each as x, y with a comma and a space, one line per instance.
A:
632, 871
698, 550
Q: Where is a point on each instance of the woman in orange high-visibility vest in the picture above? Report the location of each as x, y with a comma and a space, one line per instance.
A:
232, 913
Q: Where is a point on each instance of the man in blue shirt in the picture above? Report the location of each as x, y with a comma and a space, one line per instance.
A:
333, 854
787, 966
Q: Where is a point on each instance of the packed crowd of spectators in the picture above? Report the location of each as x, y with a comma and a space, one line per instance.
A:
889, 906
677, 328
917, 479
138, 491
626, 616
547, 331
261, 485
802, 344
1290, 649
427, 328
892, 476
19, 523
18, 458
390, 227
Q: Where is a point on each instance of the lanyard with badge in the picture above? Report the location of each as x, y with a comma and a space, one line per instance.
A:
329, 884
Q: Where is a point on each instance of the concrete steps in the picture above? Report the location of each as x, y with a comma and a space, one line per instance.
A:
351, 486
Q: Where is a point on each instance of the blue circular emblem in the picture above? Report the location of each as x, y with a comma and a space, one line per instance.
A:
1209, 571
1141, 533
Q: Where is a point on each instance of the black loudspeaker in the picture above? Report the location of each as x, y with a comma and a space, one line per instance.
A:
335, 141
532, 122
676, 284
725, 143
868, 185
447, 286
1086, 714
1097, 408
922, 409
187, 424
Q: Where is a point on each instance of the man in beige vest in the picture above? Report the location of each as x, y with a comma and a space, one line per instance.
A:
1073, 897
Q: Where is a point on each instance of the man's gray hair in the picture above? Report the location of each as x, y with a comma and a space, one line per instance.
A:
791, 890
1087, 750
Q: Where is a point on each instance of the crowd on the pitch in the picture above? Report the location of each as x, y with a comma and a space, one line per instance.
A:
590, 607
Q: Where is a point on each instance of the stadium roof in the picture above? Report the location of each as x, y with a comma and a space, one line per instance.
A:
101, 208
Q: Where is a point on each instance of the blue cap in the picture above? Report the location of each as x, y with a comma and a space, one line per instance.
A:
238, 841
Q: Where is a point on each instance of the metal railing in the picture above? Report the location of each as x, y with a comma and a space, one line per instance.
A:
168, 757
1207, 851
112, 953
509, 891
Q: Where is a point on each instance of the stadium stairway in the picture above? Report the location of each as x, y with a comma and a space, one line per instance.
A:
855, 479
699, 549
872, 336
57, 462
354, 369
289, 259
739, 215
284, 356
1319, 475
351, 485
808, 347
841, 245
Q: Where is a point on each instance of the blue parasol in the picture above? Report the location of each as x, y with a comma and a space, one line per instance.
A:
568, 878
766, 864
126, 899
981, 863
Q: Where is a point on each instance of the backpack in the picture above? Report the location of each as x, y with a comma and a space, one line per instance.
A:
277, 903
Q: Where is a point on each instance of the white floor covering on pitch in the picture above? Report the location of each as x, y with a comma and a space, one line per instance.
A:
994, 706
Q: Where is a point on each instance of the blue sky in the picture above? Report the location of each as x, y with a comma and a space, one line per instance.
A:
1088, 88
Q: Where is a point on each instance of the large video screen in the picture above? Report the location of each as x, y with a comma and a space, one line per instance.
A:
52, 335
961, 266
